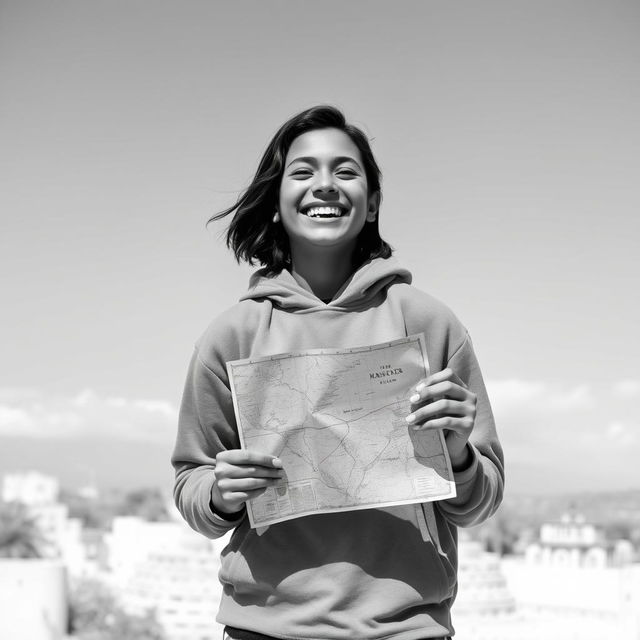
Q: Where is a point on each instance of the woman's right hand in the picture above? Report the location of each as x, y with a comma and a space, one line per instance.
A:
242, 475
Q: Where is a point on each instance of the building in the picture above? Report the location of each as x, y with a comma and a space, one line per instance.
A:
482, 587
167, 567
30, 488
33, 599
577, 583
572, 583
573, 542
62, 535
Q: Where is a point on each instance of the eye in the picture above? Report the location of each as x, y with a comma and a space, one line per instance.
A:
301, 173
347, 173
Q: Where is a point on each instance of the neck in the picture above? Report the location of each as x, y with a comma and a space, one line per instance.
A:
324, 270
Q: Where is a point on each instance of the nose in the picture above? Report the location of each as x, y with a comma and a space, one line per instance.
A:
325, 185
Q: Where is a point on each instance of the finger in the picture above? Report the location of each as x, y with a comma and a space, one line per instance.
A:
446, 389
440, 376
245, 496
227, 486
246, 457
439, 409
461, 425
248, 471
240, 497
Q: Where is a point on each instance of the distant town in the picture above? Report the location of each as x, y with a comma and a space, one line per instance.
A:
95, 564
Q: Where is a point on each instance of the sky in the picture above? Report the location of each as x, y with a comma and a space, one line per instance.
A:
508, 137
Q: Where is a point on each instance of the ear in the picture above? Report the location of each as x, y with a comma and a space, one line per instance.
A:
374, 206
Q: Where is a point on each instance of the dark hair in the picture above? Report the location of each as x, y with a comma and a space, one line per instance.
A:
253, 236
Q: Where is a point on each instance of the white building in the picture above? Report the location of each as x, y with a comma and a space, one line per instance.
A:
572, 584
30, 488
33, 599
62, 535
573, 542
482, 587
583, 602
167, 567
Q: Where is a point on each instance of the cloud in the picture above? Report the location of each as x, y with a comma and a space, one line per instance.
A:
624, 433
15, 394
626, 389
566, 437
86, 414
555, 437
157, 406
513, 391
18, 418
539, 396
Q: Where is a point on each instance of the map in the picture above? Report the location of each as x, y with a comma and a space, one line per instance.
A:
336, 419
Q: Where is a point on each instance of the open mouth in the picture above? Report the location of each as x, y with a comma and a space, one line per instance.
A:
324, 212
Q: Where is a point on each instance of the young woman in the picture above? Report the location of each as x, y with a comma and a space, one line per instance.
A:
310, 216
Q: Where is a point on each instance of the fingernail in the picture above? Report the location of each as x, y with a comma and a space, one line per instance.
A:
415, 397
276, 462
410, 418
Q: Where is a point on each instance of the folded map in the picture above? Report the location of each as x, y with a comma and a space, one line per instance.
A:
336, 419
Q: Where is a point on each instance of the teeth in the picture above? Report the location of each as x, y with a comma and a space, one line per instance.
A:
314, 212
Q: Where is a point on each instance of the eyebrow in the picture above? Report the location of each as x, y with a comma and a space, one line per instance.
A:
338, 160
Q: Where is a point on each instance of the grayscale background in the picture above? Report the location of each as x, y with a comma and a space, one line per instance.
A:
509, 139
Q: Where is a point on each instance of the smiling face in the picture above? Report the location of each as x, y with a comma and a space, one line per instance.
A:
324, 199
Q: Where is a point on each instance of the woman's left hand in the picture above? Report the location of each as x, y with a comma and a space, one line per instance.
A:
443, 401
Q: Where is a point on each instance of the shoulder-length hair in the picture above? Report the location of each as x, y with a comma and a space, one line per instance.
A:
253, 236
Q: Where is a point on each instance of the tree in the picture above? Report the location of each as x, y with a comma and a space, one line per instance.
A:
94, 513
98, 513
96, 614
20, 536
499, 534
148, 504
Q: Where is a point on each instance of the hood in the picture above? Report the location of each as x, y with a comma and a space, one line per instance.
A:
286, 292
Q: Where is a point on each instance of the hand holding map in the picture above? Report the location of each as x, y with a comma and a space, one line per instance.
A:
336, 419
242, 475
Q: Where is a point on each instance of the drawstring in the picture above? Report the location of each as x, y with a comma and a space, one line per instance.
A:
430, 515
428, 526
422, 522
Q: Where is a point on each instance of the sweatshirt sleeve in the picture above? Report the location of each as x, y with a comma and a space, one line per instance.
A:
480, 486
206, 426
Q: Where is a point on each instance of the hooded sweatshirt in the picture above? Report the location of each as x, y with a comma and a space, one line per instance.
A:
368, 574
